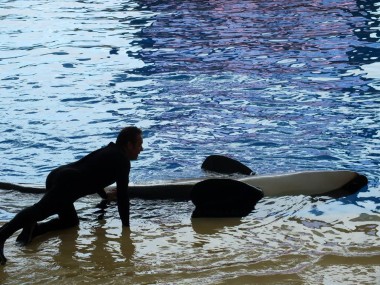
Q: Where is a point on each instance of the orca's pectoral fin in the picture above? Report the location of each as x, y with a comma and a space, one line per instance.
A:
224, 198
225, 165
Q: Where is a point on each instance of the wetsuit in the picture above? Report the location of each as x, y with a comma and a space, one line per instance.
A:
70, 182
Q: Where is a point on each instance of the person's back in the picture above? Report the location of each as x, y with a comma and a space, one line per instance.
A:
98, 169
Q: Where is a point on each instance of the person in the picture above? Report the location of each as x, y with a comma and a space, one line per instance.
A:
65, 184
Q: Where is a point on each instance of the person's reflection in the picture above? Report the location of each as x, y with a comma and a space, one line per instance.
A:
97, 246
127, 248
68, 248
111, 248
4, 275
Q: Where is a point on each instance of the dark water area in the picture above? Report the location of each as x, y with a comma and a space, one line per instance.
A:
282, 86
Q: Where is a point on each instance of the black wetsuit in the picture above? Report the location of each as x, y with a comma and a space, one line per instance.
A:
70, 182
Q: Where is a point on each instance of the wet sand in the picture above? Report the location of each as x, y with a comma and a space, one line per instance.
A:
279, 243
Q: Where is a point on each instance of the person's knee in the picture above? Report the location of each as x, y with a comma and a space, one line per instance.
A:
69, 219
73, 222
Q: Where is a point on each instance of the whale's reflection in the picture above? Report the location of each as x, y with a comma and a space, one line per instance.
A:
209, 226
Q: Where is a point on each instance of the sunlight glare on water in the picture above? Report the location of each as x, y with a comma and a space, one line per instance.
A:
281, 86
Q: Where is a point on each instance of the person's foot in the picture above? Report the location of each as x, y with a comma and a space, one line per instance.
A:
26, 236
3, 260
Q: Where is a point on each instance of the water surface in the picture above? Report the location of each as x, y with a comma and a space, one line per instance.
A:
280, 86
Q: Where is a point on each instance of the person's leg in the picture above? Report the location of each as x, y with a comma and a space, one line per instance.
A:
49, 205
67, 218
62, 192
25, 218
59, 199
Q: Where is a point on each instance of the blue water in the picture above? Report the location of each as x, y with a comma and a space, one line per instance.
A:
281, 86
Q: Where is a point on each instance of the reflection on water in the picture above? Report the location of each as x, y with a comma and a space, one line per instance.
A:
212, 226
165, 245
281, 86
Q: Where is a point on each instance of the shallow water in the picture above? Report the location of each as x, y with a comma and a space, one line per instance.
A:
279, 86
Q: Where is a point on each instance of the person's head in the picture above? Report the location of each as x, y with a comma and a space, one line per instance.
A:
130, 139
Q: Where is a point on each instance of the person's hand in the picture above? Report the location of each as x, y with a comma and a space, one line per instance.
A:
102, 204
111, 194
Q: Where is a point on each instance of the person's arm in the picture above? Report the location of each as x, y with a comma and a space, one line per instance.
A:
123, 199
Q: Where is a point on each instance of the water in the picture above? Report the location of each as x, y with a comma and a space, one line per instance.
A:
279, 85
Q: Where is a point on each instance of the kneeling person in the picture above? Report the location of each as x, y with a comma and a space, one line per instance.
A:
66, 184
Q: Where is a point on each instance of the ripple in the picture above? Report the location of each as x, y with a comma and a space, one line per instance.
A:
280, 86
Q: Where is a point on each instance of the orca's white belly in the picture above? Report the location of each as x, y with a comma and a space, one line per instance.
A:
301, 183
332, 183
